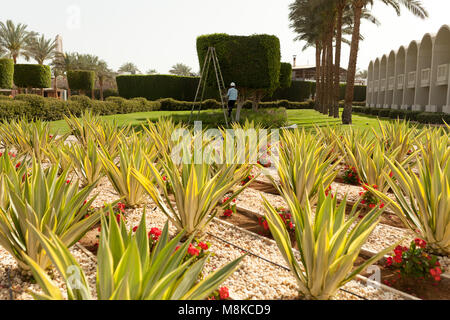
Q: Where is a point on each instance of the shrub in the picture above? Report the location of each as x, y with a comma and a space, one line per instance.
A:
298, 91
45, 201
6, 73
159, 86
253, 62
32, 76
174, 269
285, 75
433, 117
384, 113
83, 80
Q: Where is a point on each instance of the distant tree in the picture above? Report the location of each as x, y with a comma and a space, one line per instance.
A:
103, 74
129, 67
152, 71
362, 74
181, 70
15, 39
41, 49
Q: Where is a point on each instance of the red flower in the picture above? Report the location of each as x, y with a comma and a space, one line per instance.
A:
228, 213
398, 259
436, 273
164, 178
121, 207
119, 217
18, 165
224, 293
135, 229
391, 174
420, 243
265, 225
372, 206
389, 261
203, 245
381, 205
193, 251
155, 233
68, 182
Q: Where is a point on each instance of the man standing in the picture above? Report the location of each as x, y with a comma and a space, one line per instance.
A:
232, 96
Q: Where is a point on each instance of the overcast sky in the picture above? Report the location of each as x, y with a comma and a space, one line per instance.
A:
156, 34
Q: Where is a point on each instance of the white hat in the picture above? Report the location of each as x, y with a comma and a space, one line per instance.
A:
232, 84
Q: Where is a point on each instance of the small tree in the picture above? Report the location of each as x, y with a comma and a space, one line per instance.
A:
252, 62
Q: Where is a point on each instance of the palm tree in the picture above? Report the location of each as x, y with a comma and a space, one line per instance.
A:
15, 39
103, 74
181, 70
41, 49
415, 6
129, 67
152, 71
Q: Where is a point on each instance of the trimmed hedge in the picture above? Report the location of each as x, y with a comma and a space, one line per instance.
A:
160, 86
83, 80
285, 75
32, 76
6, 73
299, 91
50, 109
359, 92
419, 116
252, 62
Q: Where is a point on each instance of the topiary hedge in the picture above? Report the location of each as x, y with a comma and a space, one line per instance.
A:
81, 80
6, 73
160, 86
299, 91
32, 76
285, 75
252, 62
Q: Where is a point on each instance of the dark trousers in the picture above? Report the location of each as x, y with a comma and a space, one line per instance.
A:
231, 104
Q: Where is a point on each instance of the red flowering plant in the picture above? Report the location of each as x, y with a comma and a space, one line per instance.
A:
284, 214
221, 294
229, 207
369, 199
247, 180
197, 249
118, 211
351, 175
414, 262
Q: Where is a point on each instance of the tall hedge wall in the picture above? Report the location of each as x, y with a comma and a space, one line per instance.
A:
32, 75
251, 62
359, 93
285, 75
159, 86
81, 80
298, 91
6, 73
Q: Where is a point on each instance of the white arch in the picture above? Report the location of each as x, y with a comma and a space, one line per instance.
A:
439, 92
383, 82
425, 54
369, 92
399, 78
376, 82
390, 79
410, 75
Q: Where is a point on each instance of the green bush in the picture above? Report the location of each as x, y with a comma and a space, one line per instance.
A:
81, 80
6, 73
359, 92
384, 113
160, 86
299, 91
433, 117
285, 75
253, 62
32, 76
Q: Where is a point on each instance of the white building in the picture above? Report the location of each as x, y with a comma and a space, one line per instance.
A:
415, 77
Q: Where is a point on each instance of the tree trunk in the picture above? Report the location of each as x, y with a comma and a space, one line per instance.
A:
337, 64
318, 89
347, 115
330, 71
322, 80
101, 90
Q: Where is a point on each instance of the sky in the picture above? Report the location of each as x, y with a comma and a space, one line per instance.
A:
157, 34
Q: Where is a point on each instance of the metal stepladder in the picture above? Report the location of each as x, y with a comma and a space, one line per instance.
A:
211, 57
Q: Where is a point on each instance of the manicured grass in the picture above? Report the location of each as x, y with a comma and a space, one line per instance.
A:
303, 118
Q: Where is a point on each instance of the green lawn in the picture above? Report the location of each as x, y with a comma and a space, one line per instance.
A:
303, 118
